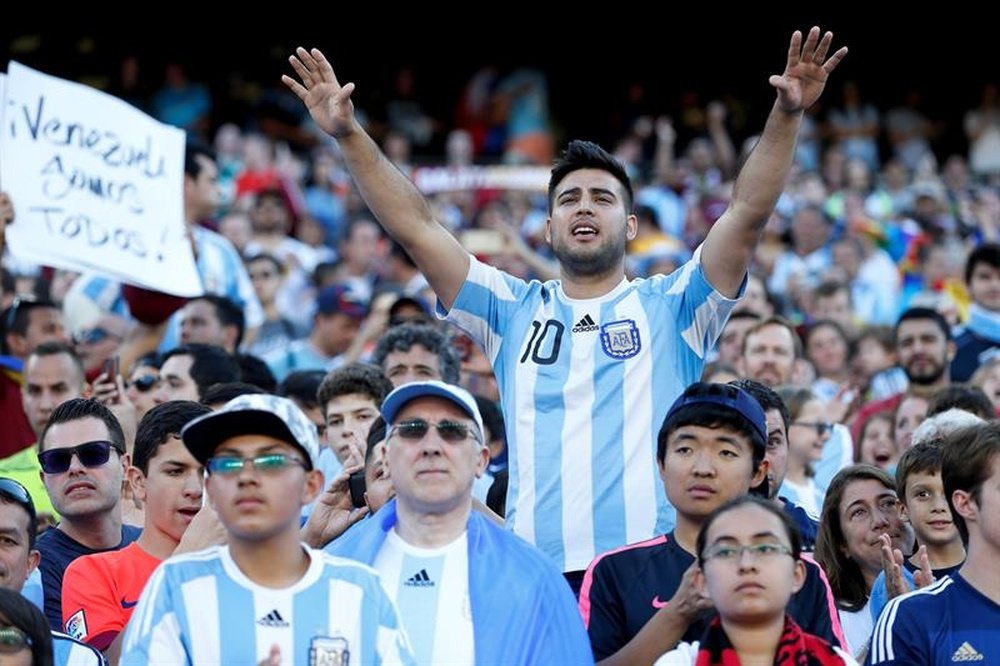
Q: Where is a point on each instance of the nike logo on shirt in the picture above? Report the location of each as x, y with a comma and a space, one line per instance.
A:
131, 604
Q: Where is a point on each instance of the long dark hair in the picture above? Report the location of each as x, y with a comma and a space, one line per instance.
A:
21, 613
846, 578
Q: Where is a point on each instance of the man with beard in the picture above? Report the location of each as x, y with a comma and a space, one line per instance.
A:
580, 359
925, 350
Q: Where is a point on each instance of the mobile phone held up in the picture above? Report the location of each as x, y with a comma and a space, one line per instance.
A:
112, 368
356, 483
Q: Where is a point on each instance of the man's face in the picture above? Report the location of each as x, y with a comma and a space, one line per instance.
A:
270, 216
17, 561
175, 380
335, 332
431, 474
81, 492
702, 468
49, 381
730, 343
378, 485
770, 355
100, 342
44, 325
589, 226
171, 490
258, 505
837, 307
777, 451
984, 286
416, 364
201, 194
923, 350
200, 324
266, 279
349, 417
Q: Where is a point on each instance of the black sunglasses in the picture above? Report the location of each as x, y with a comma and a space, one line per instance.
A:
91, 454
145, 383
93, 336
449, 431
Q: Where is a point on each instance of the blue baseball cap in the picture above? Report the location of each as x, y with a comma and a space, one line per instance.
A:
341, 298
726, 396
457, 395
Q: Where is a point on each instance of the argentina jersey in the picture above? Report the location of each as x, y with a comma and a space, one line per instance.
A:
584, 387
201, 609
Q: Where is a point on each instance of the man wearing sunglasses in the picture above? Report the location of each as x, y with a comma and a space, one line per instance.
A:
265, 595
100, 591
18, 558
433, 552
83, 460
99, 342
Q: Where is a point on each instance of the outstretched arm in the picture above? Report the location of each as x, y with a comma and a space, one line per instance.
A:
730, 244
394, 200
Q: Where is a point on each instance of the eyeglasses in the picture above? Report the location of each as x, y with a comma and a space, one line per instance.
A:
146, 383
94, 336
15, 492
90, 454
269, 462
449, 431
758, 551
262, 275
822, 427
13, 639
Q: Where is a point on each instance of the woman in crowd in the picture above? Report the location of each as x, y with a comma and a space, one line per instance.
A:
860, 506
25, 639
749, 558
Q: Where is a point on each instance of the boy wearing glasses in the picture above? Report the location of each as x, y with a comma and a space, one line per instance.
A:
100, 591
639, 601
18, 558
265, 595
83, 460
468, 591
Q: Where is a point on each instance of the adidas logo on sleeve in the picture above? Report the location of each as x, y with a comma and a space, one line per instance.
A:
419, 579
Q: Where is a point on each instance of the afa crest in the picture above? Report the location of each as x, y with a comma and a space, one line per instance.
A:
620, 339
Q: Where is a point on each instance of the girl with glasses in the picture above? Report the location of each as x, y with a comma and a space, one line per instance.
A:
25, 639
749, 566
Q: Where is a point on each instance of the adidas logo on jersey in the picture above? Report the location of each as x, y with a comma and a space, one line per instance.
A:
966, 652
419, 579
584, 325
273, 619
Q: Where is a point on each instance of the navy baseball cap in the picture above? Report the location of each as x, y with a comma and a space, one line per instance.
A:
726, 396
341, 298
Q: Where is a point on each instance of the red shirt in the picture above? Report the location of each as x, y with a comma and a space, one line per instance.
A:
14, 425
101, 590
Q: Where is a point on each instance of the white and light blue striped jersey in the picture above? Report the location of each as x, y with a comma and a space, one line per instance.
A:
584, 386
67, 651
431, 591
201, 609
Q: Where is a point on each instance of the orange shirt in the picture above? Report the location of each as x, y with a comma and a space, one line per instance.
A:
100, 590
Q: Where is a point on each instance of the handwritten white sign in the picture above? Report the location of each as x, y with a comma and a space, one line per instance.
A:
97, 185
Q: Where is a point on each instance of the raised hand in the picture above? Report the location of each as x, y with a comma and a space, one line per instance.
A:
806, 70
328, 102
333, 513
892, 565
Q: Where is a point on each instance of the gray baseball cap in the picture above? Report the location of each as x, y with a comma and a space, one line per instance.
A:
258, 414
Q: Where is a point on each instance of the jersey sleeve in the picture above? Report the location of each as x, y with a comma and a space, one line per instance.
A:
91, 610
485, 303
898, 638
701, 310
154, 632
815, 610
602, 610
